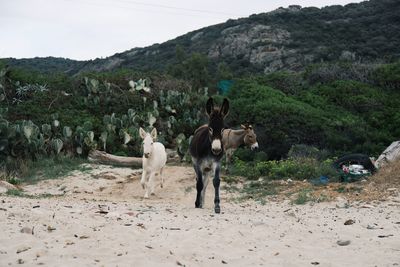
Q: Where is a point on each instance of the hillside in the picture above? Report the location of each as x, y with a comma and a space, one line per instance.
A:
284, 39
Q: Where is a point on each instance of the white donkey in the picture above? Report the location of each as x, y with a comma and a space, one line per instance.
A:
154, 159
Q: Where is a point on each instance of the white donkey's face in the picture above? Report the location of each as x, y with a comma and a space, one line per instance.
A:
148, 141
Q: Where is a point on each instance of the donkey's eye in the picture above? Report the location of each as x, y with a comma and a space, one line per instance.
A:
210, 130
222, 130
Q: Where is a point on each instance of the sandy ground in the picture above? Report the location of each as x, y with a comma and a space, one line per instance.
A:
101, 219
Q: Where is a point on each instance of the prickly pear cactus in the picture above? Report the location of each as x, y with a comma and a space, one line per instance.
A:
67, 132
57, 145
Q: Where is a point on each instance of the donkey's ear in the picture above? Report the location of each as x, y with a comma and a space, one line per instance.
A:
154, 134
225, 108
142, 133
243, 126
209, 106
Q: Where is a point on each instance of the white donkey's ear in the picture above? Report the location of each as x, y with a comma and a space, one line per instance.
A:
142, 133
154, 134
243, 127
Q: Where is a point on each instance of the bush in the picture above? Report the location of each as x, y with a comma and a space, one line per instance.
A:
295, 169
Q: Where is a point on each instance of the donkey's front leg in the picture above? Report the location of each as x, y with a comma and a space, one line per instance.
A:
216, 183
199, 186
143, 180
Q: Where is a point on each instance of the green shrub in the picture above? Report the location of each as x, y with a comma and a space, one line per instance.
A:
295, 169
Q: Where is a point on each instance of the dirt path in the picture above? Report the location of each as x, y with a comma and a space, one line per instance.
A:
101, 219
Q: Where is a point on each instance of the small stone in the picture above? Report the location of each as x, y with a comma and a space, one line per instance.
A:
367, 206
349, 222
27, 230
20, 261
69, 242
343, 242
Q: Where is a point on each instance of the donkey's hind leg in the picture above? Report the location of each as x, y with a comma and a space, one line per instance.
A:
162, 177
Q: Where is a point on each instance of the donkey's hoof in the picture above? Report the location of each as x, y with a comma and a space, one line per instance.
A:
161, 185
152, 194
198, 205
146, 195
217, 209
143, 185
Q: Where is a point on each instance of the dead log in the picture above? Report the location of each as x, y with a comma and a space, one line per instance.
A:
101, 157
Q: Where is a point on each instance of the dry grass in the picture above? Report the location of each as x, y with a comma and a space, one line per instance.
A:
385, 183
388, 176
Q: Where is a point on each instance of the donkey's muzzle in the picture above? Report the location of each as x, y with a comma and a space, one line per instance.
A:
216, 151
216, 146
254, 146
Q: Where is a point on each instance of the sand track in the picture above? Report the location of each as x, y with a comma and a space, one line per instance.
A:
101, 219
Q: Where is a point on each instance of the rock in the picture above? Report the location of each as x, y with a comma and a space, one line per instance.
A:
343, 242
7, 185
69, 242
20, 261
342, 203
3, 190
367, 206
22, 249
27, 230
384, 236
373, 227
349, 222
41, 253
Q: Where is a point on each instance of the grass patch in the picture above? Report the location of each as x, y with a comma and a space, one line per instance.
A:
303, 196
52, 168
15, 192
188, 189
230, 179
20, 193
309, 195
258, 190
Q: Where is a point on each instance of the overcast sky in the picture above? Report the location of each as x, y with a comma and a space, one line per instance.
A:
87, 29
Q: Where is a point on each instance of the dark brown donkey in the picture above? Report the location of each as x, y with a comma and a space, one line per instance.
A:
206, 149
